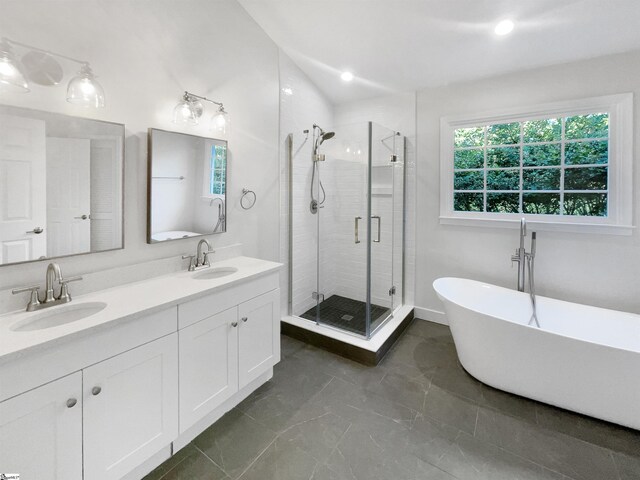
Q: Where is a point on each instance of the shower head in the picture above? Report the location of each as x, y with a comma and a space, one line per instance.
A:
325, 136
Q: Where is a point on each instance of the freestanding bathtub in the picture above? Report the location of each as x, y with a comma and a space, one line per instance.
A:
582, 358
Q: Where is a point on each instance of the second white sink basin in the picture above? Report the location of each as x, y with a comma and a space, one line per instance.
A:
58, 316
215, 272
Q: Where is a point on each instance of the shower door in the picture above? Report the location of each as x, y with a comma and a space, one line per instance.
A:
344, 233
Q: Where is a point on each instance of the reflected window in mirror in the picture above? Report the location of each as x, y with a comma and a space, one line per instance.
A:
187, 186
61, 185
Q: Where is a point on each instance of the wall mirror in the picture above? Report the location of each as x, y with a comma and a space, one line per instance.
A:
61, 185
187, 178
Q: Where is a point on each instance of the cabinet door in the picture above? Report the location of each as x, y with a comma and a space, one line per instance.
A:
259, 336
208, 365
41, 431
130, 408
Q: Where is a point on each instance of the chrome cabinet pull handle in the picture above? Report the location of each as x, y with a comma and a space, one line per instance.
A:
37, 230
82, 217
71, 402
379, 223
244, 319
96, 391
356, 229
234, 324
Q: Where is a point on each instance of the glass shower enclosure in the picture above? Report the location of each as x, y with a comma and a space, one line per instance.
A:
346, 226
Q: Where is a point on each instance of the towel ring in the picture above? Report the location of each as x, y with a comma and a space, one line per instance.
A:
245, 192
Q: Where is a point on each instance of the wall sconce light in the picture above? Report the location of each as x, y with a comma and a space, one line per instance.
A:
189, 110
43, 69
83, 89
12, 77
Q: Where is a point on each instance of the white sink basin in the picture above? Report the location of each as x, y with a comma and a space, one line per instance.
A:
216, 272
58, 316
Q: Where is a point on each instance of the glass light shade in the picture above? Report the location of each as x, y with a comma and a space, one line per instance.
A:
12, 77
220, 122
183, 113
84, 90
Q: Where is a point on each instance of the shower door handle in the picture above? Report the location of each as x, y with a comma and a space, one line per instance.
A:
356, 229
379, 222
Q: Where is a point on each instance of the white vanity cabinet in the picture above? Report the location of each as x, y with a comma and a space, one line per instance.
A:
114, 402
130, 408
223, 353
49, 420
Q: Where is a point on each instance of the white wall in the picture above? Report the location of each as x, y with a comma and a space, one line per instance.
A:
593, 269
146, 54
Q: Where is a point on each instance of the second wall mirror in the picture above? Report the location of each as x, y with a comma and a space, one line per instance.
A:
187, 182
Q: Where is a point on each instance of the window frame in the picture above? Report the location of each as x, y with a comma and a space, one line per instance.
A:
619, 218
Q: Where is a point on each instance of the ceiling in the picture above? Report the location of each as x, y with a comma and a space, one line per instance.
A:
405, 45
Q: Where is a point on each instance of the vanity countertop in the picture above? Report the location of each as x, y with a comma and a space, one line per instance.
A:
125, 303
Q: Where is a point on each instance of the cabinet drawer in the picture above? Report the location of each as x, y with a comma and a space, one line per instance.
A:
74, 354
201, 308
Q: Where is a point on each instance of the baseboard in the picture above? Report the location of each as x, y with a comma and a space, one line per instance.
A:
431, 315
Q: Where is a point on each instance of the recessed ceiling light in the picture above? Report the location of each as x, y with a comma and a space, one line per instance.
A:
287, 91
346, 76
504, 27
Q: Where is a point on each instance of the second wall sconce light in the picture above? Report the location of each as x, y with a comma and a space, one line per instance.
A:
189, 110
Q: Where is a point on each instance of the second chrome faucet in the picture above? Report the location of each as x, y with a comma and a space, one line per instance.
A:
201, 258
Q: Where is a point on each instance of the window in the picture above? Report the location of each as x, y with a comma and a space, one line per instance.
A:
217, 180
557, 165
215, 170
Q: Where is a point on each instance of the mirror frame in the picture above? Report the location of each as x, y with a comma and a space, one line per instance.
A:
150, 184
122, 187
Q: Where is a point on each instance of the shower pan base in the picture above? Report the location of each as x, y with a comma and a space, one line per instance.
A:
368, 352
347, 314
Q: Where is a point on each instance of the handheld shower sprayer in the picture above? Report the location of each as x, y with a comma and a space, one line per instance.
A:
319, 136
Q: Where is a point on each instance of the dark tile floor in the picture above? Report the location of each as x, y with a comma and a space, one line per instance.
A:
347, 314
417, 415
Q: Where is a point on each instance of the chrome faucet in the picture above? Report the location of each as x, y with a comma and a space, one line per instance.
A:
520, 255
201, 259
50, 298
526, 261
53, 274
221, 216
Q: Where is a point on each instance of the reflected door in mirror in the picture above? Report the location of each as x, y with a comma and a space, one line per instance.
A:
22, 189
68, 199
